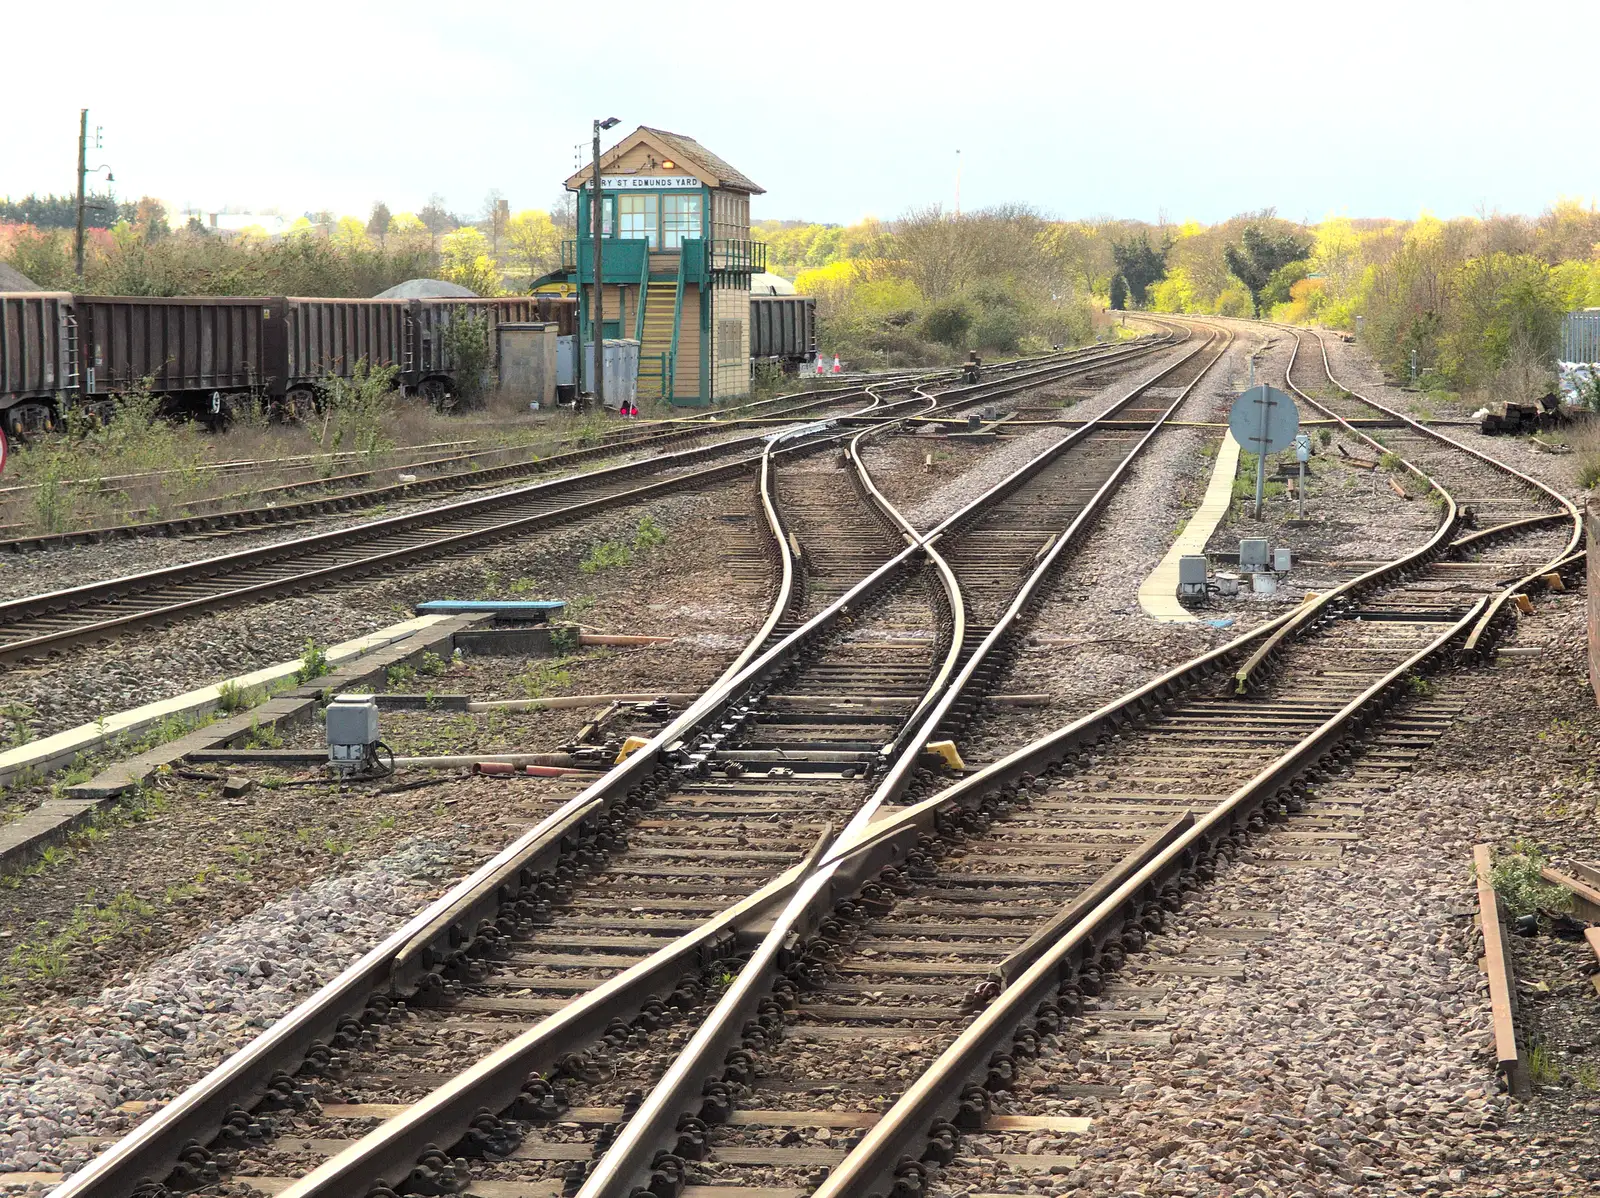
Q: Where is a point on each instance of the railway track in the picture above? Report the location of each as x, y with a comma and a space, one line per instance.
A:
39, 625
1011, 897
459, 473
724, 798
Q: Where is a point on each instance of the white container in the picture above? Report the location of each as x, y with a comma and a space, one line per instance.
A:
1264, 583
1227, 584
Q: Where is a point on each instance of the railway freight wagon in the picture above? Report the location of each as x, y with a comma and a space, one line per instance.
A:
204, 354
199, 352
38, 371
783, 329
329, 338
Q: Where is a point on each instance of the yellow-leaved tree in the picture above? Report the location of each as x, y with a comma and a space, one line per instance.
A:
533, 244
464, 259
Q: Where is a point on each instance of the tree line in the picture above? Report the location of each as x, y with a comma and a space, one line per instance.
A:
1473, 303
135, 250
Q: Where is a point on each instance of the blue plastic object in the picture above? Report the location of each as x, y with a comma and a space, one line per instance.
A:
526, 609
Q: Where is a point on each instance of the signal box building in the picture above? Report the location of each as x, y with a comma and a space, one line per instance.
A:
676, 261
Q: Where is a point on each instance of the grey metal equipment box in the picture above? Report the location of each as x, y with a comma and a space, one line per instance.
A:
1253, 554
1192, 574
1281, 560
352, 723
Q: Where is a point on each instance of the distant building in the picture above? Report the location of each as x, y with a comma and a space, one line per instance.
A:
271, 224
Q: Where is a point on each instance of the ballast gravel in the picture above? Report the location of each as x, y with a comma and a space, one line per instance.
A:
159, 663
64, 1071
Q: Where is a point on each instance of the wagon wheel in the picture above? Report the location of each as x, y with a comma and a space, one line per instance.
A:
435, 392
299, 405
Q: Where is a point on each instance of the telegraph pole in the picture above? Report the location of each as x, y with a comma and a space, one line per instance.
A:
599, 370
83, 169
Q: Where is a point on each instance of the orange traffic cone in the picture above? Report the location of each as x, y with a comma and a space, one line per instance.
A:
836, 367
819, 364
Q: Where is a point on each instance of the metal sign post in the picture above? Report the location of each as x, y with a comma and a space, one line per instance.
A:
1263, 420
1302, 453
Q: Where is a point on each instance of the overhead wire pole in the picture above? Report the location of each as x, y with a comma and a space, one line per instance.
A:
598, 342
83, 168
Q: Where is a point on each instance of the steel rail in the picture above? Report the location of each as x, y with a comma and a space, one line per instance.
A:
895, 1144
376, 1156
629, 1161
51, 603
458, 922
1568, 510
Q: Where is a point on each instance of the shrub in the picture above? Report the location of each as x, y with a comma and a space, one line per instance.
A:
360, 411
948, 323
466, 346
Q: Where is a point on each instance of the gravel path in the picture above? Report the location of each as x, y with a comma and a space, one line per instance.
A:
66, 1070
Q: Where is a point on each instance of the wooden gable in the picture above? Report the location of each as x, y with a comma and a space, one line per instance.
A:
647, 151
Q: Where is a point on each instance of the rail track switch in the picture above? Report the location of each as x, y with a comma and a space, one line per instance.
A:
629, 746
352, 723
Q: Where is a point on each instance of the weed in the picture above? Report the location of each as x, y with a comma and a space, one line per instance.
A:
432, 664
1515, 878
387, 823
1542, 1069
1418, 685
19, 714
1324, 437
1391, 462
263, 736
1588, 1077
539, 680
565, 640
232, 697
399, 675
649, 534
604, 556
359, 411
313, 662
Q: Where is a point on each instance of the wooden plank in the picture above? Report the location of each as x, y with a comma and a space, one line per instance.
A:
1498, 966
1585, 898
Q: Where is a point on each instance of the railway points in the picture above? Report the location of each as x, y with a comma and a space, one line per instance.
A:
791, 912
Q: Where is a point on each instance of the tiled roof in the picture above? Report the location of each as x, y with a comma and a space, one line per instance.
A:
689, 148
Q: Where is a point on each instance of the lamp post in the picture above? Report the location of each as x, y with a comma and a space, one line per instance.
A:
83, 171
599, 336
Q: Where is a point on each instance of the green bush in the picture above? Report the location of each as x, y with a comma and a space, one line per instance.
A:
948, 323
466, 346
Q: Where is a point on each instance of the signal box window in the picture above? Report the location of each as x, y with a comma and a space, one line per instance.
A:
637, 214
680, 219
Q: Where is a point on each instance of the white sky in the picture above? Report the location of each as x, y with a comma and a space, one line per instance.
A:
1198, 109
